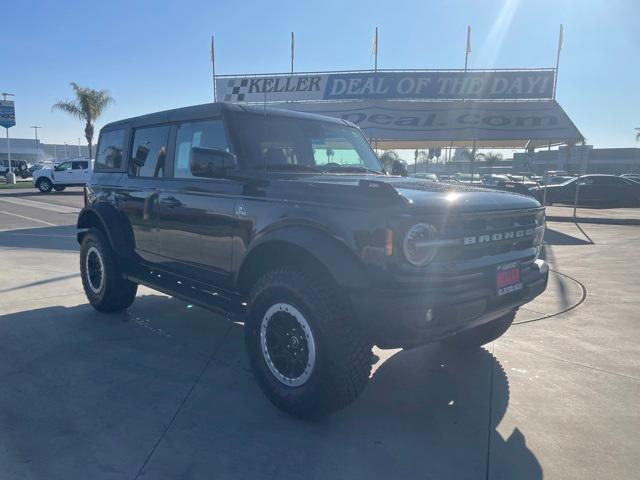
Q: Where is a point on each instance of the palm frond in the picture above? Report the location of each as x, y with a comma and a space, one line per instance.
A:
88, 105
70, 107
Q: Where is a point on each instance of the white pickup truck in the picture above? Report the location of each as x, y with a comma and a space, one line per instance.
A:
72, 173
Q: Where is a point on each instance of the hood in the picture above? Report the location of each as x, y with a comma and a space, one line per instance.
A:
420, 194
460, 197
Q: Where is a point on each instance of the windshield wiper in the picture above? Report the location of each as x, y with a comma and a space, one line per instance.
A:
352, 169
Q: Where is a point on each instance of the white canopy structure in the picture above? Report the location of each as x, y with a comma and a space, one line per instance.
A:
499, 124
422, 108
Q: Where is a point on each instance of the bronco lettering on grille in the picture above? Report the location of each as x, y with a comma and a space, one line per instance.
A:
496, 237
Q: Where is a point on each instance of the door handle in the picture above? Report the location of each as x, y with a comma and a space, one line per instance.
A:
170, 202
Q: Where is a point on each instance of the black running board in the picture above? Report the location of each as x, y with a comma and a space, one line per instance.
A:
206, 296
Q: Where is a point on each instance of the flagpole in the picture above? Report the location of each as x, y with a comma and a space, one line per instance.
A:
213, 68
560, 42
292, 51
468, 49
375, 67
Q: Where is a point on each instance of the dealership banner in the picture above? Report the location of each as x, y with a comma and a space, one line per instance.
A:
7, 114
451, 121
389, 85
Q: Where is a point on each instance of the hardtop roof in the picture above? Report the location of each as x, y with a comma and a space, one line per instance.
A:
206, 110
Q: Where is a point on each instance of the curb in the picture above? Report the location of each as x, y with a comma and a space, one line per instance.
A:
596, 220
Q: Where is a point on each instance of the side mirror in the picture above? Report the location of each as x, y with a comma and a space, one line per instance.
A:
399, 167
211, 162
141, 155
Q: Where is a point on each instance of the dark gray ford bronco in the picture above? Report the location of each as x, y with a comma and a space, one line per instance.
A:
289, 222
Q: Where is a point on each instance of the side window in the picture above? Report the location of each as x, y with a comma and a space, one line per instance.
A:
110, 150
149, 152
207, 134
78, 165
63, 167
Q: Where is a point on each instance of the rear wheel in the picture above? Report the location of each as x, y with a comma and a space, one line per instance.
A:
483, 334
44, 185
104, 285
307, 355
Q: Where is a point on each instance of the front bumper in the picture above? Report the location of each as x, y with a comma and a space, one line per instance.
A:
399, 317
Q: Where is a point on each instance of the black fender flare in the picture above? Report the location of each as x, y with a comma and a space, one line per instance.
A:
113, 223
340, 261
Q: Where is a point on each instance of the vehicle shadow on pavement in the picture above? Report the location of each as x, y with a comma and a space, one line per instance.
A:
45, 238
164, 390
554, 237
31, 193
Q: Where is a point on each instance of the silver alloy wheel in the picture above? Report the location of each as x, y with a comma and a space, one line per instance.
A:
94, 270
291, 358
44, 186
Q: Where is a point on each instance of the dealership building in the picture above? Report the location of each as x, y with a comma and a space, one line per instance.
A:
26, 149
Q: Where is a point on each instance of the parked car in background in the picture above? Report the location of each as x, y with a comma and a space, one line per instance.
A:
73, 173
523, 179
559, 179
19, 167
504, 182
426, 176
467, 178
556, 173
594, 190
631, 176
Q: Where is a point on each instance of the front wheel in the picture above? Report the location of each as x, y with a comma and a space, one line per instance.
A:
44, 185
104, 285
306, 353
482, 334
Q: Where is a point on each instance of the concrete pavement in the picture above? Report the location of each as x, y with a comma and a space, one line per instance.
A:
164, 391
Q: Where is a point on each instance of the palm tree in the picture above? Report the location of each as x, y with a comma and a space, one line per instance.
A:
88, 105
489, 158
387, 159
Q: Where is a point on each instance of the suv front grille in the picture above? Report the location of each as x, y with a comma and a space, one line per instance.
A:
482, 235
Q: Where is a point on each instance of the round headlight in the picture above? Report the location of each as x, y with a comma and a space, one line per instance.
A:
419, 244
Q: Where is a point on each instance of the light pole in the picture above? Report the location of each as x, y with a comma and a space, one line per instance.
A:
35, 128
4, 98
79, 149
66, 154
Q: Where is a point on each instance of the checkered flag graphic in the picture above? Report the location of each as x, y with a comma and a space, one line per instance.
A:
237, 91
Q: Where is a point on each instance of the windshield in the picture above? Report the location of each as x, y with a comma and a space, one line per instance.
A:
281, 143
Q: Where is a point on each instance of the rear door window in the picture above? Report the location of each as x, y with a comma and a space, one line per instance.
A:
149, 152
79, 165
206, 134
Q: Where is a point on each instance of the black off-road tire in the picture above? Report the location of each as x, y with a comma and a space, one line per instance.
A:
342, 353
44, 185
107, 291
58, 188
483, 334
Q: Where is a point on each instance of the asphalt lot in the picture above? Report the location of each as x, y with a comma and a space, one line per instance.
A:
163, 391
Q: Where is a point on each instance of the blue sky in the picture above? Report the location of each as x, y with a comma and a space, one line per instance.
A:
154, 55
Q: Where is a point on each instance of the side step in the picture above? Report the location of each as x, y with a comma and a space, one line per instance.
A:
218, 300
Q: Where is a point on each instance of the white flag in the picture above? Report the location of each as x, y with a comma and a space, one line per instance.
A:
374, 43
561, 38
